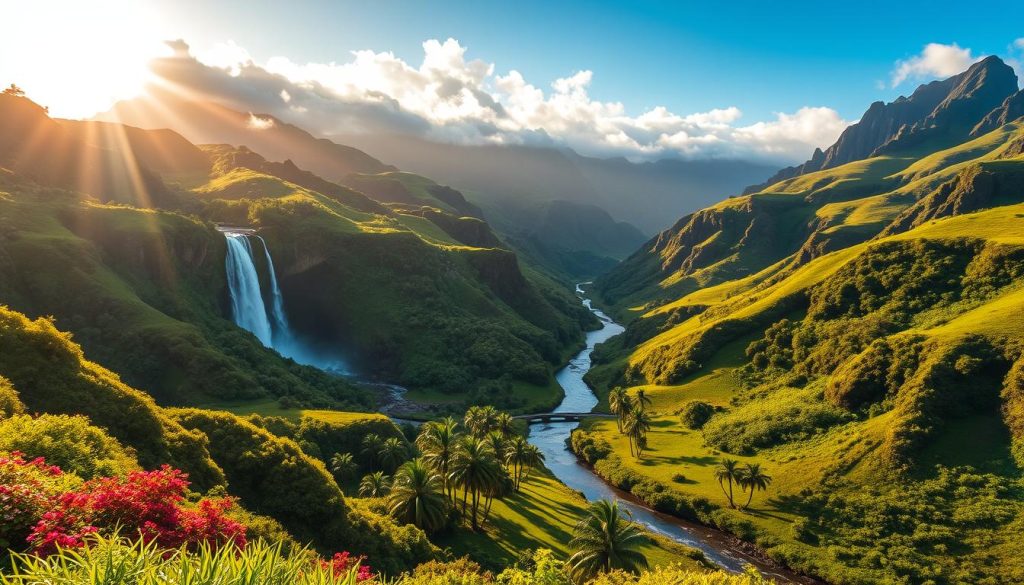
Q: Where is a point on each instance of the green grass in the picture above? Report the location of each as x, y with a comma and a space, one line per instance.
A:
543, 515
260, 407
273, 408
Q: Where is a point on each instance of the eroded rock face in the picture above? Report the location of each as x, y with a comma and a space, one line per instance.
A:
951, 109
973, 189
1011, 109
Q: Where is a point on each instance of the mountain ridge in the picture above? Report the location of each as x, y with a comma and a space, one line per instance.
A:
949, 105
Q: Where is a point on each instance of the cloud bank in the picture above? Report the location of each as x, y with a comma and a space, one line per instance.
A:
935, 60
448, 97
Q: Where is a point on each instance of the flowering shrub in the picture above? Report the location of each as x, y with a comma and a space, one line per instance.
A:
341, 563
27, 488
147, 503
54, 511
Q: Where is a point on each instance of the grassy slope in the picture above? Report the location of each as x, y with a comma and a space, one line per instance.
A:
543, 515
853, 202
148, 290
140, 290
863, 196
373, 311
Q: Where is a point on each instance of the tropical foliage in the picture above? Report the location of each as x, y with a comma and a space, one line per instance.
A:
605, 540
119, 562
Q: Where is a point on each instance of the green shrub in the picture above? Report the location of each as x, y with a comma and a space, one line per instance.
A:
695, 413
331, 437
52, 376
589, 448
272, 476
10, 405
678, 576
800, 530
942, 528
787, 414
69, 442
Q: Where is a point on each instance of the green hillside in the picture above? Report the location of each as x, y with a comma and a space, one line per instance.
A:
45, 370
857, 331
414, 295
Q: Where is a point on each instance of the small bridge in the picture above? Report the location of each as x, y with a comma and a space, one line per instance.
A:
546, 417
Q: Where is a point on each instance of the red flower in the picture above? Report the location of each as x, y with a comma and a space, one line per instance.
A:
146, 503
342, 562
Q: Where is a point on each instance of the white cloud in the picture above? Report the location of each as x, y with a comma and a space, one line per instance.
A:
935, 60
1016, 59
228, 56
449, 97
257, 123
790, 132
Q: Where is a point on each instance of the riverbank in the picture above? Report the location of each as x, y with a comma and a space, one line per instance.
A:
718, 547
695, 513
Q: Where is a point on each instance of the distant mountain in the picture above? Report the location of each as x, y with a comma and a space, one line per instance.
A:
210, 123
412, 189
942, 112
570, 238
499, 178
508, 186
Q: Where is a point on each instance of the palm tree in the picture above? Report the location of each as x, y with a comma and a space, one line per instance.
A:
619, 403
498, 443
643, 400
476, 470
437, 442
515, 458
392, 453
343, 465
728, 470
371, 445
638, 422
480, 420
534, 459
417, 497
504, 424
605, 540
752, 477
375, 485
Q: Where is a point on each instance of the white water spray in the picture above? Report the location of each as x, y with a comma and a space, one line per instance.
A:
268, 323
247, 306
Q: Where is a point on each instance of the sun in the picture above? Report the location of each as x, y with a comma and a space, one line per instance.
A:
78, 58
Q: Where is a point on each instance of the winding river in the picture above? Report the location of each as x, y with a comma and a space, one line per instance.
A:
551, 438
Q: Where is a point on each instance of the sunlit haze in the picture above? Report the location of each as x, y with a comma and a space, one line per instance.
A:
77, 58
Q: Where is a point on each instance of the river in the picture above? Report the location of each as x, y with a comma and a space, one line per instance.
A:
551, 438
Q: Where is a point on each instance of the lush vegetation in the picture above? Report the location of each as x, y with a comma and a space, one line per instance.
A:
119, 562
116, 430
141, 283
833, 366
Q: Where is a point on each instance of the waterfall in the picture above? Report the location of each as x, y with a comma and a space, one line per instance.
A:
268, 323
247, 306
281, 332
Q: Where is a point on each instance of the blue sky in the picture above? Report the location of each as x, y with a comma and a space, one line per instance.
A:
645, 80
762, 57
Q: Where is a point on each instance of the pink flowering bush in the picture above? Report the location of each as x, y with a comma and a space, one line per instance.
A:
50, 510
27, 489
